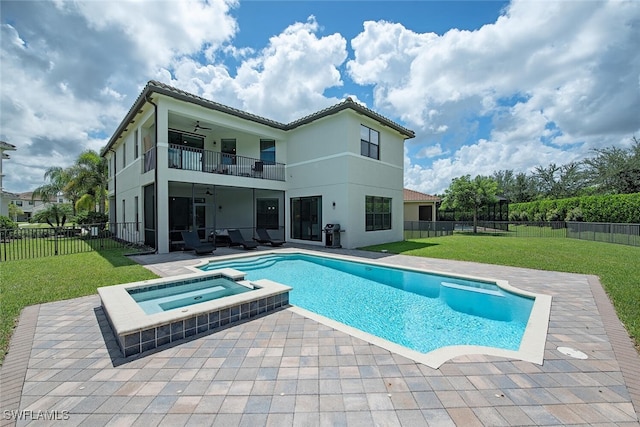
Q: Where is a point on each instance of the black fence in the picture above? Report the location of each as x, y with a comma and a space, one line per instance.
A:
27, 242
422, 229
626, 234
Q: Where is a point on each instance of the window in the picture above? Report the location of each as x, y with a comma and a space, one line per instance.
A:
268, 151
306, 218
124, 155
425, 213
136, 213
267, 214
124, 210
135, 144
18, 202
228, 151
369, 142
377, 213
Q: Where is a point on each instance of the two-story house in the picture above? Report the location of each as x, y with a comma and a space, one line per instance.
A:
5, 197
181, 162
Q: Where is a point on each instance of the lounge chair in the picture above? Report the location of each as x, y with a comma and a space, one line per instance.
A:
192, 242
264, 238
237, 240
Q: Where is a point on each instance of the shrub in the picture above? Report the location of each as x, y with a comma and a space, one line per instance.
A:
87, 217
574, 214
7, 223
553, 215
617, 208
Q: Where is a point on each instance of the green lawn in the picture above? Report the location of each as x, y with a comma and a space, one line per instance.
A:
617, 266
40, 280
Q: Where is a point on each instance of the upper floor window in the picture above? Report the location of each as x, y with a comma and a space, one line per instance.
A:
369, 142
268, 151
135, 144
124, 155
228, 151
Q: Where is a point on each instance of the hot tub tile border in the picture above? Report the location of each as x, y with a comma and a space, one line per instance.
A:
139, 342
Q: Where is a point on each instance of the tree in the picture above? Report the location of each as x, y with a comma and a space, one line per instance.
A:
615, 170
557, 182
55, 214
58, 178
470, 195
90, 173
14, 211
517, 188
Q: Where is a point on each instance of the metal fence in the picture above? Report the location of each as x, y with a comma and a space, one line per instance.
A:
626, 234
26, 243
422, 229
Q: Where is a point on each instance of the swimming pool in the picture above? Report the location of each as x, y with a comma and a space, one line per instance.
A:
419, 311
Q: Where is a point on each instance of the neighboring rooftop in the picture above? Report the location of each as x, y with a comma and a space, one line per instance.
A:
416, 196
6, 146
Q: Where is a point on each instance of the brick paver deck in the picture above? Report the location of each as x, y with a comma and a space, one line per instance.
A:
284, 369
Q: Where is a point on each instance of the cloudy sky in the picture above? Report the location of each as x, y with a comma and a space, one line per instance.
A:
486, 86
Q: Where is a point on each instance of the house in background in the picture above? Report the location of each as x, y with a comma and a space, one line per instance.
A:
30, 205
180, 162
5, 197
420, 206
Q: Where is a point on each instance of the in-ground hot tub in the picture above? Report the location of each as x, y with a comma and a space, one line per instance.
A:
146, 315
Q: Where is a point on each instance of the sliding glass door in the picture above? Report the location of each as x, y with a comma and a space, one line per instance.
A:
306, 218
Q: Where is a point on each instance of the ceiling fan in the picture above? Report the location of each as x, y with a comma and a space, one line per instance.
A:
200, 127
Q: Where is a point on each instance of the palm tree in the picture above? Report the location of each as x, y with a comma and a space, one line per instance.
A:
90, 174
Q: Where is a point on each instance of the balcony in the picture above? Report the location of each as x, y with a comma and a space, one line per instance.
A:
195, 159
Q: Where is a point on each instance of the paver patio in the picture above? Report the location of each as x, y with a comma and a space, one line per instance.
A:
284, 369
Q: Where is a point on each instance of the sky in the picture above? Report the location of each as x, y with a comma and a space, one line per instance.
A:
485, 85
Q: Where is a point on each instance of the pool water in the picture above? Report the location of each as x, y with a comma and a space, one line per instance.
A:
156, 299
420, 311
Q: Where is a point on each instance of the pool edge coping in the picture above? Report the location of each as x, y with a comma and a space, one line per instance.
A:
532, 345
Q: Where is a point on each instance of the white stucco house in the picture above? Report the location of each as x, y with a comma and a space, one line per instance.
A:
181, 162
31, 205
5, 197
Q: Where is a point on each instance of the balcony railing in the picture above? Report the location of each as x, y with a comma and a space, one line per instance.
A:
195, 159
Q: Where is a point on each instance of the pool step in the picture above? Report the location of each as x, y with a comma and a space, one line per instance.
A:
472, 289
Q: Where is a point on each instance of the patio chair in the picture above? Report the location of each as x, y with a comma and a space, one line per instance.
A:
192, 242
264, 238
237, 240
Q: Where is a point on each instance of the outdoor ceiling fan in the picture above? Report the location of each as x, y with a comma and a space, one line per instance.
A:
200, 127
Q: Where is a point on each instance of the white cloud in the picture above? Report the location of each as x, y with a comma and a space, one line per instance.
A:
161, 30
284, 81
288, 78
572, 67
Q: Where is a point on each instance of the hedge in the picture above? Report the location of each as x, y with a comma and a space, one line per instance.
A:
617, 208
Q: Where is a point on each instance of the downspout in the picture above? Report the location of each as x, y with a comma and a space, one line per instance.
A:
155, 170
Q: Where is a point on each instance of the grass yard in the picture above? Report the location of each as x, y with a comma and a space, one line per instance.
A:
617, 266
40, 280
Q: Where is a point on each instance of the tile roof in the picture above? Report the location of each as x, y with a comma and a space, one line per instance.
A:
416, 196
154, 86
